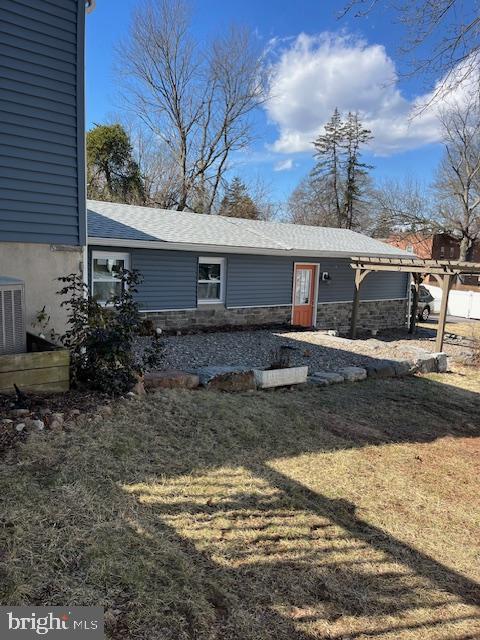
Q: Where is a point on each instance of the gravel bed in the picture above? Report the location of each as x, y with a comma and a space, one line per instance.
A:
259, 348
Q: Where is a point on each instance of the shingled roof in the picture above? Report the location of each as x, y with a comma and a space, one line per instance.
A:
131, 226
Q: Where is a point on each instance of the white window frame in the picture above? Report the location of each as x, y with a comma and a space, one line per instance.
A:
221, 262
107, 254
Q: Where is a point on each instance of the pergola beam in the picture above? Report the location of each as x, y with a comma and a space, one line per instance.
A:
444, 271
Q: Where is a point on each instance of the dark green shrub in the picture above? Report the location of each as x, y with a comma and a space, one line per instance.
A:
101, 337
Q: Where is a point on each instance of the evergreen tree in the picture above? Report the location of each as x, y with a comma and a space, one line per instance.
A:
339, 174
355, 171
112, 173
237, 203
328, 152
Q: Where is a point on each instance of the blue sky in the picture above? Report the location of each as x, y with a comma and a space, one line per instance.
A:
319, 62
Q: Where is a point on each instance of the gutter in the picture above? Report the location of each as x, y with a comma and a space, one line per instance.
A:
212, 248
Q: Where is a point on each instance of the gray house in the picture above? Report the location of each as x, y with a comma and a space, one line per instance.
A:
201, 271
42, 150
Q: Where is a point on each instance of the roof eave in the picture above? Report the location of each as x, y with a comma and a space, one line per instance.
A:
214, 248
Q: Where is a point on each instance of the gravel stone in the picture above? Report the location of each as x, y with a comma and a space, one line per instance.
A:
315, 349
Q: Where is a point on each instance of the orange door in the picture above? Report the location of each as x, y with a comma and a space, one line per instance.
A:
303, 295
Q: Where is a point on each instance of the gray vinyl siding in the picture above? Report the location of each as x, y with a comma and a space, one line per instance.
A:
170, 279
376, 286
42, 175
258, 280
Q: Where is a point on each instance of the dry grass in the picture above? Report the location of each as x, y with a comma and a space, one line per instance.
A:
341, 513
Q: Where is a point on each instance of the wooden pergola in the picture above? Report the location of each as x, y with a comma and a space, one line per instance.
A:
445, 273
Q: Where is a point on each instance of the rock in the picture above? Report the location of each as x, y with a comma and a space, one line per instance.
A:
319, 382
353, 374
106, 410
442, 361
7, 421
333, 332
97, 417
171, 379
74, 413
130, 394
327, 377
138, 389
20, 413
224, 378
51, 417
426, 363
56, 425
403, 367
37, 424
381, 369
20, 426
44, 412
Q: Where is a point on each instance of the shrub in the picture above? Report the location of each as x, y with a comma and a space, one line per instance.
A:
101, 338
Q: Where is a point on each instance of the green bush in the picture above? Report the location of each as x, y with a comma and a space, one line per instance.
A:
101, 337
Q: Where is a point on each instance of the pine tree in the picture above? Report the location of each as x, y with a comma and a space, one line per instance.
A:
355, 170
112, 173
328, 151
236, 202
339, 175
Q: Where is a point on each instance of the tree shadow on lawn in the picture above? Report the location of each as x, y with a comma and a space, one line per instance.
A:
201, 533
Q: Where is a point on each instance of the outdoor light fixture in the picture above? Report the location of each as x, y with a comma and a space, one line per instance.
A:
326, 277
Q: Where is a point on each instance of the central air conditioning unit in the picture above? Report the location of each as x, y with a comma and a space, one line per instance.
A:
13, 337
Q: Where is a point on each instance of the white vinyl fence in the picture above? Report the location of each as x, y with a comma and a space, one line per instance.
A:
465, 304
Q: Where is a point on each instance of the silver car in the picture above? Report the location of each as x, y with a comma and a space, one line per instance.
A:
425, 300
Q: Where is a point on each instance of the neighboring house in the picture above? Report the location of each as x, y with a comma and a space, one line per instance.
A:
436, 246
42, 154
202, 270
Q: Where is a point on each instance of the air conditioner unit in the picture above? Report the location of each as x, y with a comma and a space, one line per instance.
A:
13, 337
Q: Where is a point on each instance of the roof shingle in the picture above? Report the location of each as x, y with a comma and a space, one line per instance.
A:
144, 224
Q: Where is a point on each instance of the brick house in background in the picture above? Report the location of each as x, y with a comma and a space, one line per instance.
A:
437, 246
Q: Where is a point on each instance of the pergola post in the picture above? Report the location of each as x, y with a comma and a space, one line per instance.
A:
417, 281
446, 286
360, 274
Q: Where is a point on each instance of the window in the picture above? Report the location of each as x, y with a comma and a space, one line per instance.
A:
105, 278
452, 251
211, 280
302, 285
442, 251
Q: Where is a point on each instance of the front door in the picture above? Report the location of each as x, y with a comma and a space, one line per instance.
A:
303, 295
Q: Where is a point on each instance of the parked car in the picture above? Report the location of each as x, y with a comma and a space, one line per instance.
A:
425, 300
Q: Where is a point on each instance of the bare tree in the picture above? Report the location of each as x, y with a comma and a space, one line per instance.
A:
196, 99
402, 206
458, 179
159, 171
442, 36
312, 203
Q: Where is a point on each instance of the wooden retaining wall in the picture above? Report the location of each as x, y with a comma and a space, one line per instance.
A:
44, 371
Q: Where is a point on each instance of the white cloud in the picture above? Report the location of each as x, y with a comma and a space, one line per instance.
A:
312, 75
284, 165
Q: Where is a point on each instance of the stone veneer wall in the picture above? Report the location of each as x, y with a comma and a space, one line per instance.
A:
375, 314
381, 314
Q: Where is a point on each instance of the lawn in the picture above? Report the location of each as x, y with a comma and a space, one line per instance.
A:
346, 512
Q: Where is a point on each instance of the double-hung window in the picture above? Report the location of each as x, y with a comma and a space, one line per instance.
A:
211, 280
106, 267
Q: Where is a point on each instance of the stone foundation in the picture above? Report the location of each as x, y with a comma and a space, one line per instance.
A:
381, 314
377, 314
